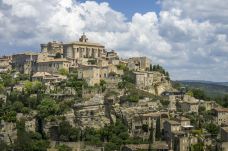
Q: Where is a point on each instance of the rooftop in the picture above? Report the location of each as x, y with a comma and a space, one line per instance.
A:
172, 122
225, 129
155, 145
84, 41
41, 74
221, 109
26, 53
53, 60
182, 118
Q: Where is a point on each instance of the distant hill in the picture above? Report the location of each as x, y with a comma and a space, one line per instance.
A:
210, 88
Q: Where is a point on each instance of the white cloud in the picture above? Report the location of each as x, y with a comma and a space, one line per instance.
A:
188, 37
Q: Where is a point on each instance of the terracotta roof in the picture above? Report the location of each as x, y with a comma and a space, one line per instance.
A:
221, 109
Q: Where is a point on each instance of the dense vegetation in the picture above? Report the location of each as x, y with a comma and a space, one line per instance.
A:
160, 69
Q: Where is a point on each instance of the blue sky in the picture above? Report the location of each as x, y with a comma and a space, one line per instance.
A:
130, 7
188, 37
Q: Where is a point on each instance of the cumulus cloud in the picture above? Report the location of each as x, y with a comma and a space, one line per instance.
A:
188, 38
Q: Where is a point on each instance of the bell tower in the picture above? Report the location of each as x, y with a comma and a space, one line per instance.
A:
83, 38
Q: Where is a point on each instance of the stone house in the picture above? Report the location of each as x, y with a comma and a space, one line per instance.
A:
182, 141
139, 63
53, 65
46, 77
169, 127
52, 48
224, 134
93, 74
144, 79
176, 135
5, 64
223, 146
112, 55
183, 121
25, 62
142, 123
190, 107
220, 116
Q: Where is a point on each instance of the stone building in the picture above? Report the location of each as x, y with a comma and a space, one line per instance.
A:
5, 63
184, 121
112, 55
220, 116
93, 74
53, 65
142, 123
144, 79
52, 48
139, 63
189, 106
182, 141
25, 62
224, 134
171, 126
83, 49
176, 135
46, 77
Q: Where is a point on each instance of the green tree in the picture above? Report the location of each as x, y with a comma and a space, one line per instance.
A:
10, 116
64, 148
28, 87
199, 94
48, 107
37, 86
197, 147
7, 80
2, 88
29, 141
103, 85
213, 129
67, 132
17, 106
23, 139
63, 71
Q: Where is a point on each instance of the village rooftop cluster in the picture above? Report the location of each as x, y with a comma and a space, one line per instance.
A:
111, 89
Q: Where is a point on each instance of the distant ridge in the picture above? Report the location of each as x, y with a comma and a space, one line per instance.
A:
210, 88
203, 82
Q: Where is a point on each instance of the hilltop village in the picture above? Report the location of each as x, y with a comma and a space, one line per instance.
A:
79, 96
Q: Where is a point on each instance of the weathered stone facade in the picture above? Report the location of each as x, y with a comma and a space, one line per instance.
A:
25, 62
